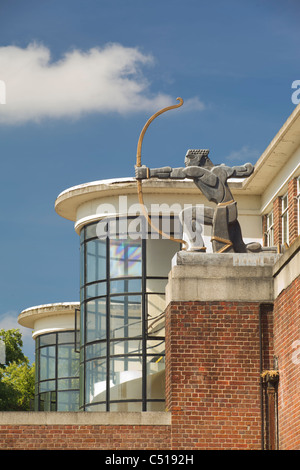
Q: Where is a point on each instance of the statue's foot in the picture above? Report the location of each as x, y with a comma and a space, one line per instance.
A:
253, 247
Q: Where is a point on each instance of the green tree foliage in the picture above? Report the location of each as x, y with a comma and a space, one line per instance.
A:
17, 376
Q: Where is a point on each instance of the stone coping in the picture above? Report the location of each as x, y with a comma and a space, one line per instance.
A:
264, 258
81, 418
28, 316
228, 277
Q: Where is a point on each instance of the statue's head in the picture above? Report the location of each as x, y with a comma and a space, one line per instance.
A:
198, 157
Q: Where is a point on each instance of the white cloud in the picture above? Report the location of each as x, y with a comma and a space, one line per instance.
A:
9, 320
102, 80
193, 104
243, 155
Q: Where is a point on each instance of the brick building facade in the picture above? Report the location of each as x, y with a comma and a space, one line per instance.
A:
217, 362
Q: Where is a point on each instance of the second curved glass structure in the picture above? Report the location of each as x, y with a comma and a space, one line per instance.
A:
122, 347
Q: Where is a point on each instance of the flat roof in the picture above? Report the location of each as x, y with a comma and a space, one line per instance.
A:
69, 200
28, 316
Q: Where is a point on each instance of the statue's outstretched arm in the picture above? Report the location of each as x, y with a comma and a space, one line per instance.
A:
242, 171
190, 172
144, 172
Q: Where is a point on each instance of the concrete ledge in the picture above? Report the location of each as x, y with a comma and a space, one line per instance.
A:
41, 418
224, 277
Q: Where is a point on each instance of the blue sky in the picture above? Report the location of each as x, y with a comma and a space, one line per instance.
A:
82, 78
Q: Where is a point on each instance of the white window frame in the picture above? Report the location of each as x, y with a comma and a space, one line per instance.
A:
285, 218
270, 229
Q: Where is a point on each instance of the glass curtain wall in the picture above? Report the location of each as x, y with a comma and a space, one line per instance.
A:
57, 372
122, 350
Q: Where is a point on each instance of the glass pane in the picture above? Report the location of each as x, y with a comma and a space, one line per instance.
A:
82, 233
96, 290
67, 384
156, 285
47, 401
47, 385
47, 363
96, 319
91, 231
270, 237
96, 381
68, 362
125, 347
66, 337
98, 407
82, 322
155, 314
82, 254
96, 350
47, 339
156, 347
285, 233
126, 285
126, 406
156, 377
159, 254
126, 378
284, 202
95, 260
270, 220
68, 401
82, 384
125, 259
125, 316
137, 228
168, 225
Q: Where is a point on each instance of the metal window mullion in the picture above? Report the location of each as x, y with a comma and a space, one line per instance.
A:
107, 323
83, 336
56, 370
38, 371
144, 328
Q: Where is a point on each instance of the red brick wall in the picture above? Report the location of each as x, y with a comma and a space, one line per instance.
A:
287, 348
213, 375
67, 437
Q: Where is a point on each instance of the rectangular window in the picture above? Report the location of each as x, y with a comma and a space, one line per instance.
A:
285, 219
270, 229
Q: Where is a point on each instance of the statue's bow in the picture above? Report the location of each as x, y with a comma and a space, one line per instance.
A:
139, 163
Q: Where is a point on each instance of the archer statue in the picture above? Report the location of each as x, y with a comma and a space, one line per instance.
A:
212, 181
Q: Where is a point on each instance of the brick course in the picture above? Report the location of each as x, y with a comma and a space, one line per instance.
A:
77, 437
